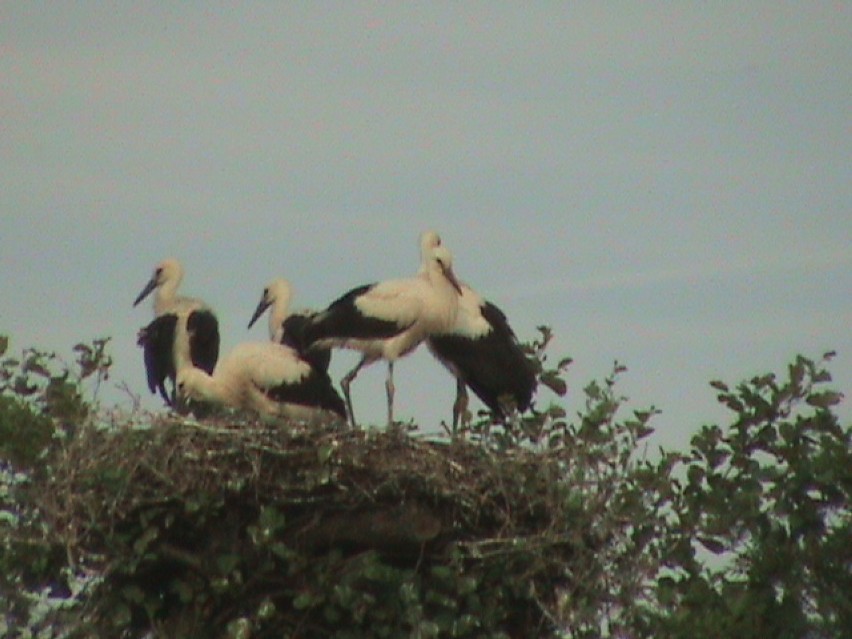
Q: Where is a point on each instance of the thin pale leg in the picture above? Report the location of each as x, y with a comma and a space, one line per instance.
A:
389, 387
460, 405
347, 381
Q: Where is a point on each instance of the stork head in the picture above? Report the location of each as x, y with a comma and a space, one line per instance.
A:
435, 256
277, 291
428, 241
169, 271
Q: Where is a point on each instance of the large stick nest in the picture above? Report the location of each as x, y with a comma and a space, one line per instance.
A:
184, 491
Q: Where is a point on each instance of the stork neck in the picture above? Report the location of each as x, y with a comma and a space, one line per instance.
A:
447, 310
164, 296
439, 280
277, 314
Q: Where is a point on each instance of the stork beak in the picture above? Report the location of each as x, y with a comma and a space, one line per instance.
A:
182, 404
150, 286
451, 277
261, 307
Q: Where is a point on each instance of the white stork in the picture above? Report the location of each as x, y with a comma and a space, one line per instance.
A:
265, 377
184, 330
482, 352
389, 319
286, 328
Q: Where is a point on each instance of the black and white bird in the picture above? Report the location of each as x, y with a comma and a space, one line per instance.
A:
285, 327
268, 378
483, 353
184, 330
389, 319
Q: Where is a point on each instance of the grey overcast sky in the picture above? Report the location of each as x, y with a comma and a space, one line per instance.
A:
665, 184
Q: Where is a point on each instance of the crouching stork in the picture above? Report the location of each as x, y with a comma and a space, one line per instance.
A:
268, 378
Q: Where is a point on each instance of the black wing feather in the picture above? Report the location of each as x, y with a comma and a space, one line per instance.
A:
343, 319
493, 365
315, 390
203, 330
293, 336
157, 342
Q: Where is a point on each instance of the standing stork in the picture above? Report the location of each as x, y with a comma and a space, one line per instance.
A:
482, 352
389, 319
286, 328
184, 330
265, 377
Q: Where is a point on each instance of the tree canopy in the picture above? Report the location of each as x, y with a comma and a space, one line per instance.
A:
548, 525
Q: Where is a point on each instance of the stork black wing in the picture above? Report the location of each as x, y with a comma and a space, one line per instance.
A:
203, 330
343, 319
293, 336
492, 365
157, 341
315, 390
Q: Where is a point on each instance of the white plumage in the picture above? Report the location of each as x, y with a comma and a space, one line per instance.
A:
390, 319
184, 331
268, 378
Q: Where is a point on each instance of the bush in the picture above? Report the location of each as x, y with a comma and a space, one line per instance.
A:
543, 526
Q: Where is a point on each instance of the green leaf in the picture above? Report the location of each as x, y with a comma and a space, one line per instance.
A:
184, 591
712, 545
144, 540
695, 474
324, 453
304, 600
282, 550
824, 399
666, 590
644, 431
444, 573
556, 412
720, 386
227, 563
271, 519
266, 609
239, 629
22, 387
554, 383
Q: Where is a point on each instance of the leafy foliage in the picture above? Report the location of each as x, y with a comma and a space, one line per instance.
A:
771, 494
42, 406
544, 525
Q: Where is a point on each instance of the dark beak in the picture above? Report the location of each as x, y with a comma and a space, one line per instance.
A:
261, 307
150, 286
451, 277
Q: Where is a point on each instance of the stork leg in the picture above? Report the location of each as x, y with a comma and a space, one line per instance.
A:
347, 381
460, 405
389, 387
